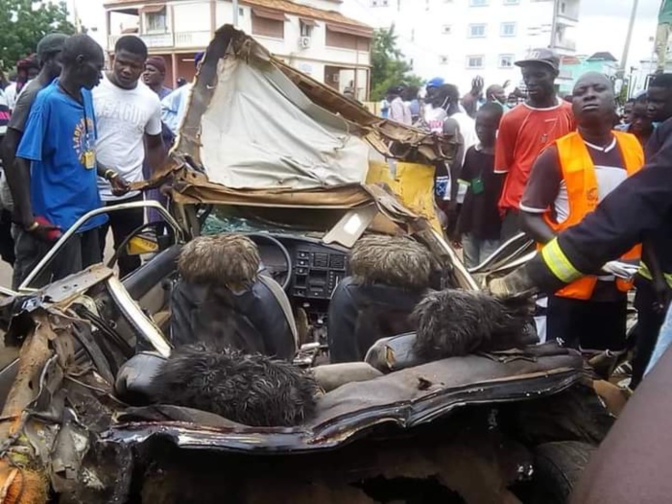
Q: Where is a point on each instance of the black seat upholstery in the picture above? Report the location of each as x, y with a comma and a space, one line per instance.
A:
360, 315
252, 320
389, 277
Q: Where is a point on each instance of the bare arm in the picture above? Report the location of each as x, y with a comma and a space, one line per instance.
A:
452, 128
535, 227
17, 171
156, 151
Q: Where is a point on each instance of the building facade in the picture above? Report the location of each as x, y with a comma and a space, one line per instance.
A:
312, 36
575, 66
460, 39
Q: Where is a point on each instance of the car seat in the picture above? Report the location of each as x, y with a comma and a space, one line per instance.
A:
389, 277
223, 299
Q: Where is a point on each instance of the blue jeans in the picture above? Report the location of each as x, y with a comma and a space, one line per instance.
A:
476, 251
664, 341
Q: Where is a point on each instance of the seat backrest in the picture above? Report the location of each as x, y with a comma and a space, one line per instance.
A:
253, 320
360, 315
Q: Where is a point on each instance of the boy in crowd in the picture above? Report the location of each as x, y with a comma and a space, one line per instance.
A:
479, 224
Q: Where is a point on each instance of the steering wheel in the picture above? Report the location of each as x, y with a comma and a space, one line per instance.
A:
288, 258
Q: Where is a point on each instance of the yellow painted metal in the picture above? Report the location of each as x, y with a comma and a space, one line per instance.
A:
413, 183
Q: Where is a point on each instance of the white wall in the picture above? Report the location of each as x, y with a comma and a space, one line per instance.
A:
191, 16
419, 25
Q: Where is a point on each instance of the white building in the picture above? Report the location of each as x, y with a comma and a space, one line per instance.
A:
312, 35
460, 39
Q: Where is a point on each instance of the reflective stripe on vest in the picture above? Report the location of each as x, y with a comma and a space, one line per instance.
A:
578, 172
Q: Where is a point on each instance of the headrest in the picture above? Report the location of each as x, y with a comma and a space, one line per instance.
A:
455, 322
229, 259
391, 260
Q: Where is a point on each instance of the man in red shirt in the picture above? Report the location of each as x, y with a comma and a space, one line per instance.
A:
527, 130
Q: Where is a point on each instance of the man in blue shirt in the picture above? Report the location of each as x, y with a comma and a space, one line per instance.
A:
59, 144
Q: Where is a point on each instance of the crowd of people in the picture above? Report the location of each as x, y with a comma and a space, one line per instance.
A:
75, 137
540, 167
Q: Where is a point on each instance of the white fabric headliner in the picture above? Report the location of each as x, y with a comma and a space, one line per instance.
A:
260, 131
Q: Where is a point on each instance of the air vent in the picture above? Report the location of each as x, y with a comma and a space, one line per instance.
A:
321, 260
337, 261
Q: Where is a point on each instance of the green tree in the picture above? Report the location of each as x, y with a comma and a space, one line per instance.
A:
24, 22
388, 67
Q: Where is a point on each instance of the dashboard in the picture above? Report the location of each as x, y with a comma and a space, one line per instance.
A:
316, 268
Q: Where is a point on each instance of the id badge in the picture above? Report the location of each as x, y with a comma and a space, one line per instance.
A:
477, 185
89, 160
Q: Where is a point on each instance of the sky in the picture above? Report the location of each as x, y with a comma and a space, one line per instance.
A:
602, 27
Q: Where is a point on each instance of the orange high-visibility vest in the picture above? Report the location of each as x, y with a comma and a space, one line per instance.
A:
578, 172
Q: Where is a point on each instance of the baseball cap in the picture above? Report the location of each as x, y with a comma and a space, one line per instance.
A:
50, 44
436, 82
543, 56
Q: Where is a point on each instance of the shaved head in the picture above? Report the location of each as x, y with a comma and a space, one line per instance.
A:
593, 77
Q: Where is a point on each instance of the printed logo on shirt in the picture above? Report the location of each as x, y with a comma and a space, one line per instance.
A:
82, 140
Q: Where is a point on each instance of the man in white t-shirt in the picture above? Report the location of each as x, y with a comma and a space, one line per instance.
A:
128, 115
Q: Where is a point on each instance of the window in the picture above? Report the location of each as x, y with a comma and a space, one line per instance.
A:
379, 3
155, 22
446, 29
506, 60
443, 60
268, 23
508, 30
475, 61
345, 37
241, 11
478, 3
306, 26
476, 31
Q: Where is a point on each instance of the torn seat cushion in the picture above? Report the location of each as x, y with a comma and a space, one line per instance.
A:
252, 320
360, 315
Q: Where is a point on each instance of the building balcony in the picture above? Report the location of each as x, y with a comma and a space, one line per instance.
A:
566, 44
197, 39
179, 40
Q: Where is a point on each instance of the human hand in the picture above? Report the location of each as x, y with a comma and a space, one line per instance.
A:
44, 230
119, 185
477, 85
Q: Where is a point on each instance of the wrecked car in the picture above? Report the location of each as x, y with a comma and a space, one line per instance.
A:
324, 181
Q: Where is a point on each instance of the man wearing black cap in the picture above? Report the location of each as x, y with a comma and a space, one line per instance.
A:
17, 170
527, 130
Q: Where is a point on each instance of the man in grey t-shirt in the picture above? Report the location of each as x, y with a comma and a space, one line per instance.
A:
49, 53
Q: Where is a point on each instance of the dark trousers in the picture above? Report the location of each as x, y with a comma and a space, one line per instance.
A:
649, 322
123, 223
6, 241
510, 225
81, 251
588, 324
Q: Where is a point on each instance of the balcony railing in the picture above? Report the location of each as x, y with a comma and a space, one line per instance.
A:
153, 40
196, 39
193, 39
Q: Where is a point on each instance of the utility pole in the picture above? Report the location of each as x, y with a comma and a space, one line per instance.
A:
628, 38
554, 23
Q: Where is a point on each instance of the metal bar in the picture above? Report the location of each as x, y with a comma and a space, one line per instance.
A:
103, 210
628, 38
138, 320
